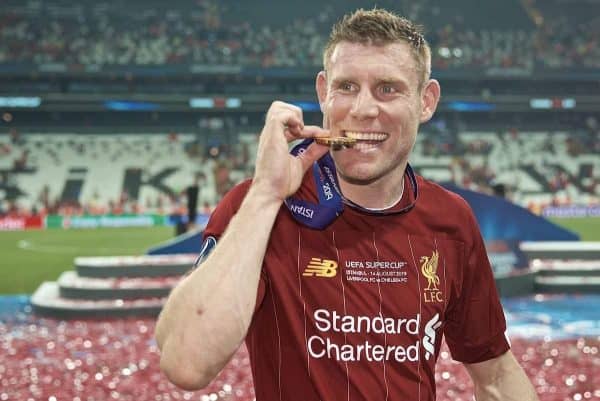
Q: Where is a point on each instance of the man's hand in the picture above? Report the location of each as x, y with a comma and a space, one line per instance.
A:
278, 173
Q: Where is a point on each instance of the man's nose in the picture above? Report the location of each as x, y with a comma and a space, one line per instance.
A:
364, 105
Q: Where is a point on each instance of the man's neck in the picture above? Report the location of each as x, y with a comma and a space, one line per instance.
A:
378, 195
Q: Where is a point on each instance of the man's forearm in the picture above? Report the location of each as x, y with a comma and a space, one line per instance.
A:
208, 314
513, 386
501, 379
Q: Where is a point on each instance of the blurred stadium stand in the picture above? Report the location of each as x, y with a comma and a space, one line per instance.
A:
111, 106
99, 172
133, 173
508, 34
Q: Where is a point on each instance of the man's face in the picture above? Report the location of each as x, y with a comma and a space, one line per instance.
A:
371, 93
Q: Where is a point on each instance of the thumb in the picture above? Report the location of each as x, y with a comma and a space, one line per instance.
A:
313, 153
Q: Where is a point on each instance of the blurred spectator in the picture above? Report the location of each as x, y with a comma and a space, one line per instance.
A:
191, 197
107, 33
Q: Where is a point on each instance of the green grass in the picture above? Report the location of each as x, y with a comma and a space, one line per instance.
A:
587, 228
27, 258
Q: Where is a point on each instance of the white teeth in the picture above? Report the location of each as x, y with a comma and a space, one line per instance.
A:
363, 146
367, 136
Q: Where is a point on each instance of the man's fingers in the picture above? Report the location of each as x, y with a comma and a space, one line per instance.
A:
310, 131
279, 105
293, 123
293, 130
313, 153
289, 116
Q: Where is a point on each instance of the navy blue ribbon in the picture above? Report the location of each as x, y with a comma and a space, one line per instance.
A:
331, 200
330, 204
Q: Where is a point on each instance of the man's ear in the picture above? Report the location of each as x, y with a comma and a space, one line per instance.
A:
430, 96
321, 86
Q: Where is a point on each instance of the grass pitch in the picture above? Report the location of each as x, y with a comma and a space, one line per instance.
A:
587, 228
27, 258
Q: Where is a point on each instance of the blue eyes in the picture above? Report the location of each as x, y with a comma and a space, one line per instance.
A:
384, 89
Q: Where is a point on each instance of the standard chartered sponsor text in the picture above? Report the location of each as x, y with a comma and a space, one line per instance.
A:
322, 346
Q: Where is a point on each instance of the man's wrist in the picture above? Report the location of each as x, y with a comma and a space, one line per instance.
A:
263, 199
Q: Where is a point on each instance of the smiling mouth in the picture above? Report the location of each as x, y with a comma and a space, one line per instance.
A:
366, 140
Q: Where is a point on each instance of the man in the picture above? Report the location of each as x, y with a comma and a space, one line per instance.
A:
191, 196
346, 291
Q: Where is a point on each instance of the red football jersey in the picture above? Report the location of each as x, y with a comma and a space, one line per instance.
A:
357, 311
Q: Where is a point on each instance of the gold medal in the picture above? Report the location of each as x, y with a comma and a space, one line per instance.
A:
335, 141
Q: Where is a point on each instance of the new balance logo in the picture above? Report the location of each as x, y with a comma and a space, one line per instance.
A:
321, 268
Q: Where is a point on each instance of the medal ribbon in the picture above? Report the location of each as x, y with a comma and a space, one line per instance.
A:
331, 200
318, 216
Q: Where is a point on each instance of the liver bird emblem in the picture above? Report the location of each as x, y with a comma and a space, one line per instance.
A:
429, 265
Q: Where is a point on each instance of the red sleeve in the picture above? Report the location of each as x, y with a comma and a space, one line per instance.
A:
225, 210
475, 323
220, 218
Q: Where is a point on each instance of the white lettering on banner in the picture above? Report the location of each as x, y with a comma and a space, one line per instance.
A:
330, 174
108, 221
327, 191
12, 224
332, 177
302, 210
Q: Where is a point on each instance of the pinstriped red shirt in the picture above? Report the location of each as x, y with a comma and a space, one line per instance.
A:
358, 311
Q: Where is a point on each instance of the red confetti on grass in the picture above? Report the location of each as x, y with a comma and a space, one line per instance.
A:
85, 360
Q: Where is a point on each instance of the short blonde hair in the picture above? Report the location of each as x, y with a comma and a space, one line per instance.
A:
381, 27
